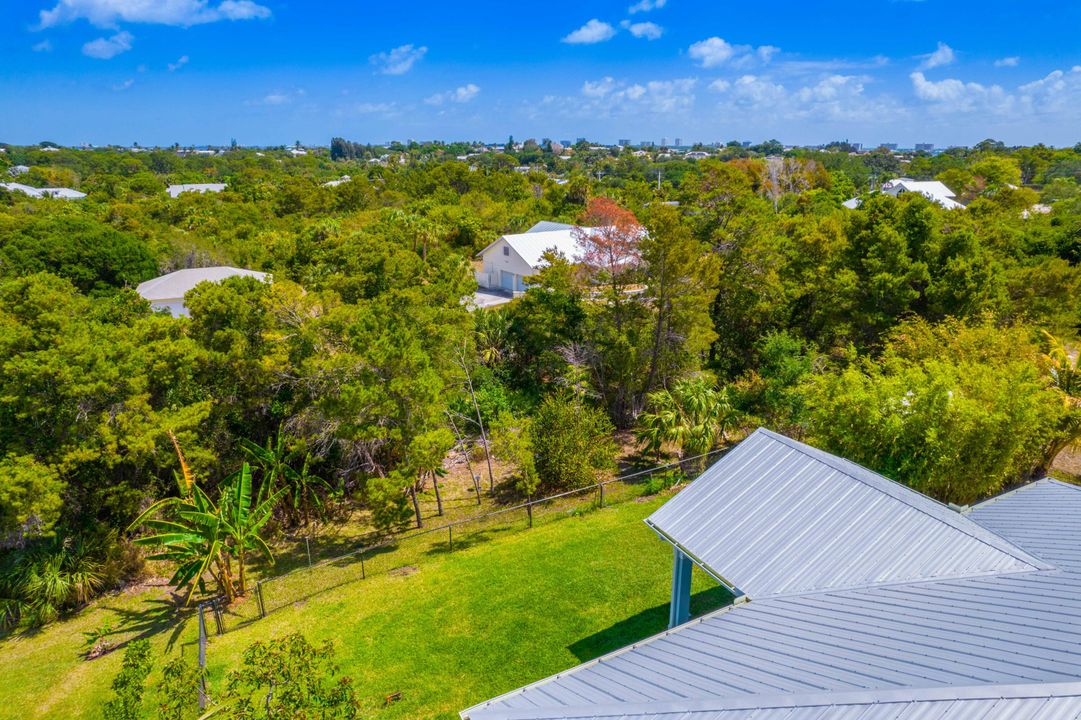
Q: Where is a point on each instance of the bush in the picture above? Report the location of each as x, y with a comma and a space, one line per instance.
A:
128, 684
571, 443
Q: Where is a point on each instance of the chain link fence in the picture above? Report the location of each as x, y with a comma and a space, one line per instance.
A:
403, 553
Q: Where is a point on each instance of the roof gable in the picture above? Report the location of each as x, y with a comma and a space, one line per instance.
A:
777, 517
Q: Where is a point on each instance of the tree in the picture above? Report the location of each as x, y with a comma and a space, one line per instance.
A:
1064, 372
512, 440
571, 443
609, 243
30, 497
955, 410
129, 683
289, 677
693, 414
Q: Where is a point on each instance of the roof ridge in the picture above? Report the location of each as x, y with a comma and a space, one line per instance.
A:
904, 494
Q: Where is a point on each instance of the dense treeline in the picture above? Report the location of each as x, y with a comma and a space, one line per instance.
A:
932, 345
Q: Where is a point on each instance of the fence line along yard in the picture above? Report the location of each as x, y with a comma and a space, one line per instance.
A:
402, 553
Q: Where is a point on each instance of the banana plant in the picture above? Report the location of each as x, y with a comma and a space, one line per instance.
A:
202, 537
306, 491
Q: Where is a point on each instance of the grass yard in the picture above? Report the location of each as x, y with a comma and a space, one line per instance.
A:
485, 619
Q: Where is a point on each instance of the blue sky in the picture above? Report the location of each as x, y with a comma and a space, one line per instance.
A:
271, 72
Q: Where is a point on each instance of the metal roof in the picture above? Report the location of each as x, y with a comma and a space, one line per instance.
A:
775, 516
994, 646
176, 190
176, 285
548, 226
1039, 701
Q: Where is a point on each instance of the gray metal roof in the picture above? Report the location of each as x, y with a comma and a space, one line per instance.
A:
549, 226
775, 516
175, 285
1040, 701
994, 646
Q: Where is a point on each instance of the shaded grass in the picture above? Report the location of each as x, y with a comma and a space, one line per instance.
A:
501, 610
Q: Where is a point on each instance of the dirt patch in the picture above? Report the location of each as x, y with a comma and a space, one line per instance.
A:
405, 571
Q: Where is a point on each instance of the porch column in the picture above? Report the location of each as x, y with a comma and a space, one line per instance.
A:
679, 611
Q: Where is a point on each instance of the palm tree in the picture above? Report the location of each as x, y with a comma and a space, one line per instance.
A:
1064, 373
693, 414
492, 331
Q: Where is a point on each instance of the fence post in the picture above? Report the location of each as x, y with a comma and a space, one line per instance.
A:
529, 510
202, 658
363, 573
450, 538
218, 619
259, 595
308, 547
602, 494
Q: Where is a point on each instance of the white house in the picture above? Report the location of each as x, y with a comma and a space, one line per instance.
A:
175, 190
167, 292
340, 181
62, 193
16, 170
508, 261
933, 190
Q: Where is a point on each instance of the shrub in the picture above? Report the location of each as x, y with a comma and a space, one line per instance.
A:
571, 442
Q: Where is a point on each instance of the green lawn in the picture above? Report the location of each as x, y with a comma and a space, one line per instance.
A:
502, 610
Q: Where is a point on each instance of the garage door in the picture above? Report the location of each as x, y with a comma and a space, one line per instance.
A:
506, 280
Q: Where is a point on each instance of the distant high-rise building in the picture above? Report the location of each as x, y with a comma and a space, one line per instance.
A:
925, 147
664, 141
646, 143
624, 143
580, 140
888, 146
679, 142
565, 143
747, 143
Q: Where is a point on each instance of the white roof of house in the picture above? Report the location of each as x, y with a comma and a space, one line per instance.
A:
866, 601
531, 245
852, 203
176, 285
63, 193
933, 190
175, 190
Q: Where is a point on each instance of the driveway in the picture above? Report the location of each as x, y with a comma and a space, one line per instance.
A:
488, 298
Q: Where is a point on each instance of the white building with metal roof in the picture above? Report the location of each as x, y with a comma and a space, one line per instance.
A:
857, 597
508, 261
176, 190
167, 291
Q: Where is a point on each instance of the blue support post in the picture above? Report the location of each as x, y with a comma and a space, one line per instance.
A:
679, 611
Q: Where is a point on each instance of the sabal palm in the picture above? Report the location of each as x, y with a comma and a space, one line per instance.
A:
693, 414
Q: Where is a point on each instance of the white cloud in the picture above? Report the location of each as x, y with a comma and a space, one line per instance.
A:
110, 47
124, 85
181, 62
714, 52
594, 31
43, 46
833, 99
942, 56
460, 95
711, 52
182, 13
766, 52
952, 95
608, 97
1008, 62
276, 98
646, 6
400, 60
647, 30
